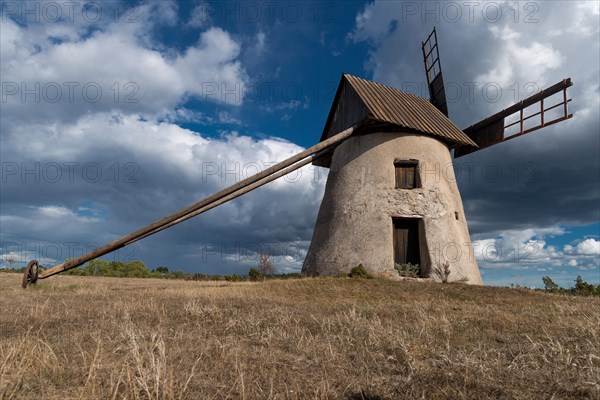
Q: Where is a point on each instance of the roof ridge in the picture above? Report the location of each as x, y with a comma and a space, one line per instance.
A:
370, 81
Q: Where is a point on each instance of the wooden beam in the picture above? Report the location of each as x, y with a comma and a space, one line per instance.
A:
205, 204
565, 83
238, 193
491, 130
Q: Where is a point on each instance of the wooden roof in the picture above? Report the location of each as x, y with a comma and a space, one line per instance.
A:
359, 100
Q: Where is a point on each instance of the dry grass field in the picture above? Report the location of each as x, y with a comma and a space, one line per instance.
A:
109, 338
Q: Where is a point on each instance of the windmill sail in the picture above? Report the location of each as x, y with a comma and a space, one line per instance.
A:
492, 130
433, 70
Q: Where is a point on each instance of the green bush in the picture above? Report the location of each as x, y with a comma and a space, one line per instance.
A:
359, 272
581, 288
254, 274
235, 278
98, 267
408, 270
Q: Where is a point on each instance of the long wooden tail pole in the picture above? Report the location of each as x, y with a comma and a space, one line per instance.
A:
229, 193
238, 193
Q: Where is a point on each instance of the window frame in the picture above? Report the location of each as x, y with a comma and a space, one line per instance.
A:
399, 163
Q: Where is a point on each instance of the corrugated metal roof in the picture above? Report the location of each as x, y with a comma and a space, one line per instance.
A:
406, 110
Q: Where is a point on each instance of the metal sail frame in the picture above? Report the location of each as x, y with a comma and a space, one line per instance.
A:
435, 80
491, 130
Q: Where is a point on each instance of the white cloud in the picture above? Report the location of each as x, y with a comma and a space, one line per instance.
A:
115, 67
373, 23
528, 247
175, 167
504, 33
171, 166
210, 69
54, 212
515, 62
182, 114
288, 105
12, 256
201, 15
475, 49
587, 247
260, 42
227, 118
585, 21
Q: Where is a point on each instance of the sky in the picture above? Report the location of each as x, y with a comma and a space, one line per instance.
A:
115, 114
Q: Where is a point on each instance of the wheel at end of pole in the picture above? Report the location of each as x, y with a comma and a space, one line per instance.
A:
30, 276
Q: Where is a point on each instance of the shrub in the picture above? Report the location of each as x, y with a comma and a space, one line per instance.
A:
359, 272
408, 270
253, 274
581, 288
234, 278
179, 274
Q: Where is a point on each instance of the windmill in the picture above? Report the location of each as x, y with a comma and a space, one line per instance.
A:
385, 201
391, 199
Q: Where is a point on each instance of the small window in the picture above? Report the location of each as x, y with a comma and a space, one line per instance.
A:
407, 174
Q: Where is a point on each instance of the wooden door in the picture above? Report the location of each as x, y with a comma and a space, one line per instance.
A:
406, 241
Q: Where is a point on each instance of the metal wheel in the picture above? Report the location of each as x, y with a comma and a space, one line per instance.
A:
30, 276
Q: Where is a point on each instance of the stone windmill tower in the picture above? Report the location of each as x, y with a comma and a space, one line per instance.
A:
391, 195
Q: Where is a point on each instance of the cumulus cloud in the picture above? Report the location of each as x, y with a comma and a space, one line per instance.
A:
529, 248
100, 168
588, 247
211, 70
161, 167
520, 62
113, 67
514, 247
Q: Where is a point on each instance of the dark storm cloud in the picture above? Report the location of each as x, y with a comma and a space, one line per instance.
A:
150, 168
548, 177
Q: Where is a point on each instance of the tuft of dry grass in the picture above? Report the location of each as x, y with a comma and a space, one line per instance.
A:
328, 338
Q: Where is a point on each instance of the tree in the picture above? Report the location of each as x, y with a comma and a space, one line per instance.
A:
582, 287
265, 266
549, 284
10, 259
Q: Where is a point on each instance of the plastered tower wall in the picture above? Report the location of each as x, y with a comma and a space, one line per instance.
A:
354, 225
